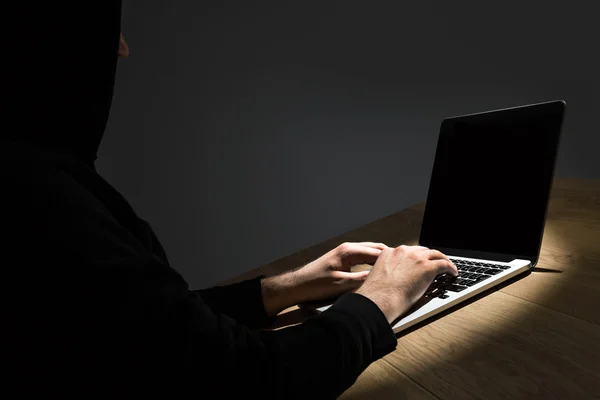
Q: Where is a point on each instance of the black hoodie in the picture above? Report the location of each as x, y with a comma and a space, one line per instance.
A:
91, 307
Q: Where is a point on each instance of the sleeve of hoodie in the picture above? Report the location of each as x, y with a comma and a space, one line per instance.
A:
241, 301
130, 306
226, 299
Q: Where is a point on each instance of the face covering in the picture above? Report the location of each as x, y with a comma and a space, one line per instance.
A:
61, 65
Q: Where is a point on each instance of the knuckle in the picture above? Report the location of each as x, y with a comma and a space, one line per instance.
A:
344, 247
411, 255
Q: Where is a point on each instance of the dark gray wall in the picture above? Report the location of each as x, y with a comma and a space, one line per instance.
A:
244, 131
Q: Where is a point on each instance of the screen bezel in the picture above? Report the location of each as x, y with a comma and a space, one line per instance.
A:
556, 109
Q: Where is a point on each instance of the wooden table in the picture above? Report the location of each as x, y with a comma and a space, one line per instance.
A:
535, 338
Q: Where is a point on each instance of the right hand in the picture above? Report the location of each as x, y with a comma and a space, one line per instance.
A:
401, 276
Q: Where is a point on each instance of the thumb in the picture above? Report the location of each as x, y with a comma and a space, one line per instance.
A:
352, 276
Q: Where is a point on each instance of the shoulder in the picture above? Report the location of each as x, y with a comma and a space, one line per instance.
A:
44, 207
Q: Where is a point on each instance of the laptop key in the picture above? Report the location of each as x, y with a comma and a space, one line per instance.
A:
461, 282
455, 288
493, 271
441, 281
437, 284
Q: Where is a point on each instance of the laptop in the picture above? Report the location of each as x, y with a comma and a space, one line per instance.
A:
487, 201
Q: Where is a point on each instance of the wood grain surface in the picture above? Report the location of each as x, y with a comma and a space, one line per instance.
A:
537, 337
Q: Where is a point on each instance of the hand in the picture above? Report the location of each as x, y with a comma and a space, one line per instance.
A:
326, 277
401, 276
330, 275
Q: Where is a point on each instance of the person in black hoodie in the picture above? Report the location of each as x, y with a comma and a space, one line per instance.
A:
91, 307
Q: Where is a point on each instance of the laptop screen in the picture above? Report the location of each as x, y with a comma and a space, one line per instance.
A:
491, 180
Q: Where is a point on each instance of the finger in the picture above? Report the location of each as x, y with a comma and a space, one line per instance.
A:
415, 247
356, 277
375, 245
444, 266
436, 254
356, 253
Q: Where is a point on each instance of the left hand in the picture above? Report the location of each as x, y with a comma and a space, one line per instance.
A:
330, 275
327, 277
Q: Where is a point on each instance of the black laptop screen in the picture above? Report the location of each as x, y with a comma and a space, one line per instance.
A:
491, 180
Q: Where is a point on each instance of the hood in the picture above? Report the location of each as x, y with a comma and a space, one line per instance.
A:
62, 60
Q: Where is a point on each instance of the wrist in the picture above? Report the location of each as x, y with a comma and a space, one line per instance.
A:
280, 292
389, 304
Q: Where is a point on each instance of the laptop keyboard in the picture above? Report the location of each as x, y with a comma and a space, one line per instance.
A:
469, 274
